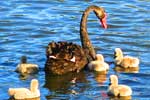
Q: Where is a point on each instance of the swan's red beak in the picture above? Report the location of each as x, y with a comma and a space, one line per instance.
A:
104, 21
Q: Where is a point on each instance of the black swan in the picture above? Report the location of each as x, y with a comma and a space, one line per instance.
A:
64, 57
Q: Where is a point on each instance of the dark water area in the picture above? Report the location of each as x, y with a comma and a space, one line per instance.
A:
27, 26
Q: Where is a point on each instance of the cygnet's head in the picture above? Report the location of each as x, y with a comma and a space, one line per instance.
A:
23, 59
11, 91
34, 85
118, 54
99, 57
113, 80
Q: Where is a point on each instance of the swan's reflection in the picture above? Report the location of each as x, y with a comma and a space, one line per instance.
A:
69, 83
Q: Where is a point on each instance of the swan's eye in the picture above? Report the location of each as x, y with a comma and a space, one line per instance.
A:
98, 14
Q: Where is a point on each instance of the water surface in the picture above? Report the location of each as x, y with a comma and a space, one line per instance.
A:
27, 26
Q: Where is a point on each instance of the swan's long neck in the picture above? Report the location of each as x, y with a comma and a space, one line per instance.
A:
86, 43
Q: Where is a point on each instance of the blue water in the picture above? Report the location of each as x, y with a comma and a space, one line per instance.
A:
27, 26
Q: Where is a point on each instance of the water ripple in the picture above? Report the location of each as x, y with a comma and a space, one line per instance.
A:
27, 26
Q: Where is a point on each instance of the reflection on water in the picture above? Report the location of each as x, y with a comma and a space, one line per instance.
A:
127, 70
65, 84
27, 26
100, 78
54, 82
121, 98
25, 99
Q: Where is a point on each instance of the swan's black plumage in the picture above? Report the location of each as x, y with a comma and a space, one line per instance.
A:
64, 57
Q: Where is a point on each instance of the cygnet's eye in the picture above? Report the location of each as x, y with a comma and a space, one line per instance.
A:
115, 54
109, 83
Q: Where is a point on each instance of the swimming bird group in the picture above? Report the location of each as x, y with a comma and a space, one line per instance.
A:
63, 57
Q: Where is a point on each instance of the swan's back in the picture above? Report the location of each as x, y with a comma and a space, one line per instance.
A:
63, 57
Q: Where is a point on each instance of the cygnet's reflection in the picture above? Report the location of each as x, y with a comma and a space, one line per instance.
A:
100, 77
127, 70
